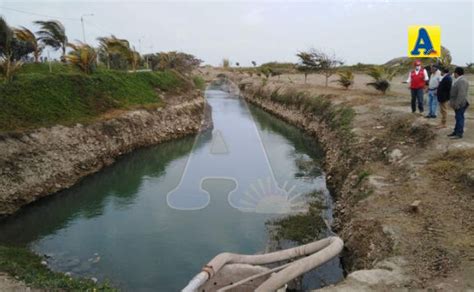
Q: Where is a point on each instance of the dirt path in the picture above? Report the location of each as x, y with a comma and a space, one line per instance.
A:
408, 160
8, 284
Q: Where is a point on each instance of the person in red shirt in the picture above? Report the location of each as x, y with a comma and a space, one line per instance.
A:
417, 81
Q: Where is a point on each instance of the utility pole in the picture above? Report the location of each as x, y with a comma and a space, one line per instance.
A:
83, 30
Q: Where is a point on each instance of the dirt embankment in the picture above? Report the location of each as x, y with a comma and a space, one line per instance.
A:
404, 198
46, 160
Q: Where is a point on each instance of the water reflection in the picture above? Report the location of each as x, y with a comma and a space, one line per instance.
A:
117, 185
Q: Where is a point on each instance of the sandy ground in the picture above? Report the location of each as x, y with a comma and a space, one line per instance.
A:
8, 284
437, 241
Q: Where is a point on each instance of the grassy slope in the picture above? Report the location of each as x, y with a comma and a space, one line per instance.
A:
26, 266
37, 98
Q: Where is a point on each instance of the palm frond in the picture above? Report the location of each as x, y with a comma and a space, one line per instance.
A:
53, 34
6, 37
346, 78
26, 35
382, 76
83, 57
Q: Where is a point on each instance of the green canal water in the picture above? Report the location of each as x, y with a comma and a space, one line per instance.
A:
151, 220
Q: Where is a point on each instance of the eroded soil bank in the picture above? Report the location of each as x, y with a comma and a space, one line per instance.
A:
46, 160
404, 197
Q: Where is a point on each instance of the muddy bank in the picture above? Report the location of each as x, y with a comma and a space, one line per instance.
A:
367, 243
47, 160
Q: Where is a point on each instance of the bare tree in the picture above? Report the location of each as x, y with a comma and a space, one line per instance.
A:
317, 61
306, 65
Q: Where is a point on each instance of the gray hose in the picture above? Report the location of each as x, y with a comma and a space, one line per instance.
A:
320, 252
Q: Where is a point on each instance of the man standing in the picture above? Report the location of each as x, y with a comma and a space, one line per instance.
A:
443, 91
458, 101
417, 80
432, 91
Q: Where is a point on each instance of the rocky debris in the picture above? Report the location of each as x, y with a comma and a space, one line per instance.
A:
415, 206
385, 274
376, 181
95, 259
43, 161
469, 177
395, 155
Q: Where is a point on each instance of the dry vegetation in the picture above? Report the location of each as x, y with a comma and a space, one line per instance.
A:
402, 158
455, 166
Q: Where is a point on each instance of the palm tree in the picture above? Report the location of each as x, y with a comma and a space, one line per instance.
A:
53, 34
110, 46
8, 65
346, 79
82, 56
381, 77
6, 38
28, 36
133, 58
445, 59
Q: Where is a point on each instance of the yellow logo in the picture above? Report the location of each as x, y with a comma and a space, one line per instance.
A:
424, 41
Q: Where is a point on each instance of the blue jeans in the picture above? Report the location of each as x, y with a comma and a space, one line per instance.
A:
432, 102
459, 116
417, 98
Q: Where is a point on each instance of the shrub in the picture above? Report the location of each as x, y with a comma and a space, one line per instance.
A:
346, 79
381, 78
199, 82
225, 63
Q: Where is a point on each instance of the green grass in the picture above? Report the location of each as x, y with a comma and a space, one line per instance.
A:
301, 228
37, 99
43, 68
361, 177
26, 266
199, 82
338, 118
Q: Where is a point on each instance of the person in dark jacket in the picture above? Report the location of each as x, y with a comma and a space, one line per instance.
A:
443, 91
458, 101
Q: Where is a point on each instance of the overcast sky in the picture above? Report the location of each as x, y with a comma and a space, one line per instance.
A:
367, 32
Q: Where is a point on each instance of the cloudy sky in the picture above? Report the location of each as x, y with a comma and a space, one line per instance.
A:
357, 31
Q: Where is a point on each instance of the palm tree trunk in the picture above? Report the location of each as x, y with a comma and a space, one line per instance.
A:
63, 57
36, 55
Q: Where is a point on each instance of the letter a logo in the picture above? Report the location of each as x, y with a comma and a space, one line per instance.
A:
424, 41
